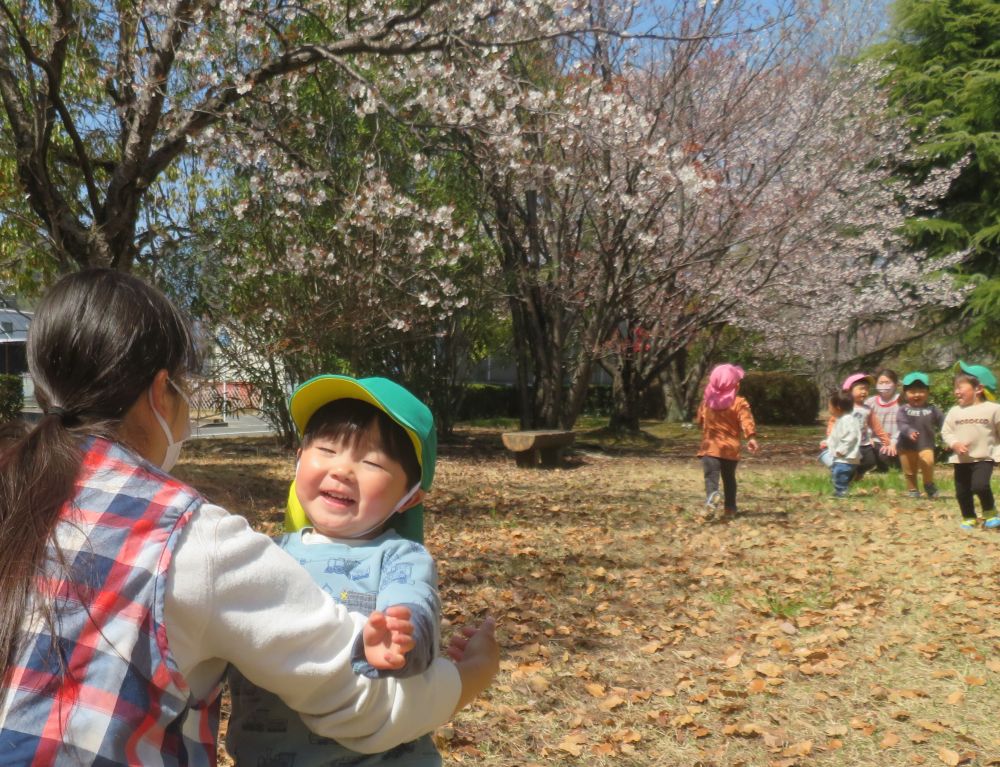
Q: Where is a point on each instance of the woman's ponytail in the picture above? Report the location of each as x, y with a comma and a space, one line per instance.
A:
37, 472
95, 344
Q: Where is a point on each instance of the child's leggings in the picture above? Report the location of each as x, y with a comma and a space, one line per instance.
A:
868, 462
917, 460
713, 467
973, 479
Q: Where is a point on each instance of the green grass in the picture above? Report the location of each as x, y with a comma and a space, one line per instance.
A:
721, 596
817, 481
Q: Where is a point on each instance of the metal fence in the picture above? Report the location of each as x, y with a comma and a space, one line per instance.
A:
227, 398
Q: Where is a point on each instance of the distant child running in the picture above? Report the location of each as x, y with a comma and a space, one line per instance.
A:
918, 422
972, 431
884, 405
368, 454
724, 417
843, 444
857, 385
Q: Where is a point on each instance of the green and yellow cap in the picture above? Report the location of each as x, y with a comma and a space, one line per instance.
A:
984, 375
396, 402
916, 377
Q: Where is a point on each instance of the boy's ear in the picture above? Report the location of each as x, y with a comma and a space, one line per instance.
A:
418, 498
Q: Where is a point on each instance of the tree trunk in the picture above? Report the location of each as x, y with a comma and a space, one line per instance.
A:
626, 395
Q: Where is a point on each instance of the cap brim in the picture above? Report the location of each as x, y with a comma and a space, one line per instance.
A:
856, 378
318, 391
989, 385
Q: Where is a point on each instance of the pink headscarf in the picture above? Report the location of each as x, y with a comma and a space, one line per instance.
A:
722, 382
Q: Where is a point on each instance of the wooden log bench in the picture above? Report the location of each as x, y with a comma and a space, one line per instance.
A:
531, 447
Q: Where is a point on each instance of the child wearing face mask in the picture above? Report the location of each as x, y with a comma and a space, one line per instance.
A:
972, 431
857, 385
884, 406
367, 458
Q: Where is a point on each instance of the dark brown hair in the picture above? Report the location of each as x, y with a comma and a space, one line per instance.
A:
971, 379
349, 420
890, 374
96, 342
842, 401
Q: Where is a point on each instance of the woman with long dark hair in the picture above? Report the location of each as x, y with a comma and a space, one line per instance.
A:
125, 594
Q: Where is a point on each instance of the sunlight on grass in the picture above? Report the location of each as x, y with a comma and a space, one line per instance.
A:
817, 481
802, 631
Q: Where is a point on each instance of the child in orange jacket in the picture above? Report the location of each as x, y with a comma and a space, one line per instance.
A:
724, 417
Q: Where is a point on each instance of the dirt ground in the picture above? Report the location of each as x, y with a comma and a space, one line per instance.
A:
804, 631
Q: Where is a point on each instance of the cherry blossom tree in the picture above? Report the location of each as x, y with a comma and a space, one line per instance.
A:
102, 99
798, 234
337, 247
736, 173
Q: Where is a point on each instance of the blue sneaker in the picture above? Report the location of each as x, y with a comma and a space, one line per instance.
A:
969, 524
992, 523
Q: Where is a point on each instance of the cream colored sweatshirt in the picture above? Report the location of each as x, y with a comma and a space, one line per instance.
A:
977, 426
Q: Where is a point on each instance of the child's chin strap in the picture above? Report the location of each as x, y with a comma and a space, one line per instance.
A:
395, 509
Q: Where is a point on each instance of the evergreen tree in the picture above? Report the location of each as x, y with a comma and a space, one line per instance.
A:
945, 76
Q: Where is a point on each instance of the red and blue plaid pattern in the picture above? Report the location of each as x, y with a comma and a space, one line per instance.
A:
100, 687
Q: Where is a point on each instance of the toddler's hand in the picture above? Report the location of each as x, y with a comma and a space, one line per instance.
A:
914, 435
388, 637
960, 448
753, 445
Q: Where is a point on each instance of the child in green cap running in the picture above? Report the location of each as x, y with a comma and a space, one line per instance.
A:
972, 432
918, 423
367, 458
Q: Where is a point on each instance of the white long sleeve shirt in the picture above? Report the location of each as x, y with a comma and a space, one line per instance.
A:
844, 441
232, 596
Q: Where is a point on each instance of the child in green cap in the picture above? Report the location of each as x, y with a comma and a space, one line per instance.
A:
918, 423
367, 457
972, 432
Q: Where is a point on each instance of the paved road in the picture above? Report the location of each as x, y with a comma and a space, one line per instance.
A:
243, 426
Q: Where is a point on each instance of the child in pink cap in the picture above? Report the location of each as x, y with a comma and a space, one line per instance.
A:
724, 417
859, 385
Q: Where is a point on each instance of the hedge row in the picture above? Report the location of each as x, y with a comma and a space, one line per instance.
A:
11, 397
781, 398
483, 401
775, 398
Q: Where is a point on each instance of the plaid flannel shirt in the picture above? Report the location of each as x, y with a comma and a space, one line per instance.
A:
105, 690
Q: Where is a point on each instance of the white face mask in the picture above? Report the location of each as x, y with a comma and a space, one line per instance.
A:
885, 389
173, 446
402, 502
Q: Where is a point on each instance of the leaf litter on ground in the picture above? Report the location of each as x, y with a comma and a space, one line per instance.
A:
803, 631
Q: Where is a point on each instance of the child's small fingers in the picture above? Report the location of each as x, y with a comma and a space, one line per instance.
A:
405, 644
396, 625
394, 660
